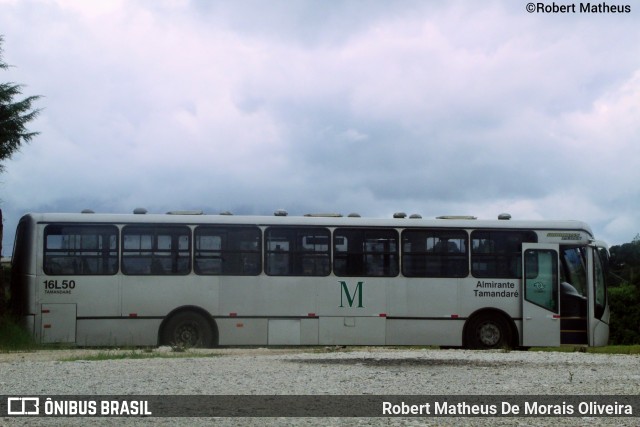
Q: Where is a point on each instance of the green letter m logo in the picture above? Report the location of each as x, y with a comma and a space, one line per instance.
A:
344, 291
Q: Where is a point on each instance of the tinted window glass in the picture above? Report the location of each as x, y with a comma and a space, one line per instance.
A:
498, 253
600, 300
365, 252
297, 251
234, 251
574, 269
80, 249
541, 281
162, 250
434, 253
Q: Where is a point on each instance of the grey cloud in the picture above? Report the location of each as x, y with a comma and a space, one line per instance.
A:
452, 108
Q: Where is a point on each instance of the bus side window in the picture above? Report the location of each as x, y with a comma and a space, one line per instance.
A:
365, 252
541, 282
228, 250
156, 250
76, 249
297, 251
600, 291
574, 266
497, 253
435, 253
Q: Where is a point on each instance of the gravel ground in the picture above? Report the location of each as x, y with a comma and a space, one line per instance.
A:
310, 371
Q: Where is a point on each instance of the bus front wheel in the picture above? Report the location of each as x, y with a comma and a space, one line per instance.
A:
187, 329
487, 331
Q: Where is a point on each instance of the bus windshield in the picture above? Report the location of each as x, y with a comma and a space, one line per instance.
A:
574, 271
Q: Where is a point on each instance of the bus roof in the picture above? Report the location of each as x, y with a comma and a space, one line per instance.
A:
327, 220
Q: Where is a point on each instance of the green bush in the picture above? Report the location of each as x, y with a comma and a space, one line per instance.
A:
13, 337
5, 274
624, 302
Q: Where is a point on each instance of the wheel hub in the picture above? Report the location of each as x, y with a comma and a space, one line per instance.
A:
489, 334
187, 334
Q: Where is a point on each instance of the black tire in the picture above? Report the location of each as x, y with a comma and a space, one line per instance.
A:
487, 331
187, 329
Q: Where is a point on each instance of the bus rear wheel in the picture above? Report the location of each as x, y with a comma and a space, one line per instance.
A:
187, 329
487, 331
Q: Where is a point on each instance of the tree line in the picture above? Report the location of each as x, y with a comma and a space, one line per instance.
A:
14, 116
624, 292
15, 113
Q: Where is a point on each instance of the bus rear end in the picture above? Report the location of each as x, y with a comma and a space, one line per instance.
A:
22, 296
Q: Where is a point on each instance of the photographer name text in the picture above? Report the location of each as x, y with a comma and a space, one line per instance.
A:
590, 408
593, 8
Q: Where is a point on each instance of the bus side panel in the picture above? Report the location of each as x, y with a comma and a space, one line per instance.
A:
600, 334
242, 331
284, 332
480, 293
90, 296
58, 323
352, 310
118, 332
245, 331
424, 332
293, 331
353, 296
157, 296
96, 296
352, 330
268, 296
422, 297
23, 302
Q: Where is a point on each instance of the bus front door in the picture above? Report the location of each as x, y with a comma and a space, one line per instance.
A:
541, 299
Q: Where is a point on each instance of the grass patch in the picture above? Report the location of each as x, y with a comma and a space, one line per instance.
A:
610, 349
136, 354
13, 337
149, 353
616, 349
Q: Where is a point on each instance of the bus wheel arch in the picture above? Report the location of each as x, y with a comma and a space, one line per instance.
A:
188, 327
489, 329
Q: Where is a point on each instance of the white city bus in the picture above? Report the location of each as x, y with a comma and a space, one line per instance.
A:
206, 280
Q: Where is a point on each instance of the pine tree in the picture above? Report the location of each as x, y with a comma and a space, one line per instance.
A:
14, 115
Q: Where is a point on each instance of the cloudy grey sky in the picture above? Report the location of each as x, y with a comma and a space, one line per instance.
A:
430, 107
